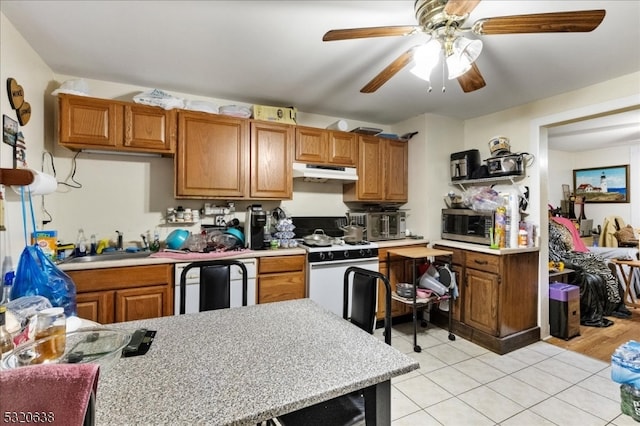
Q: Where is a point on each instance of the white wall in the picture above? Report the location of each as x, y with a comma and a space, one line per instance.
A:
19, 61
429, 159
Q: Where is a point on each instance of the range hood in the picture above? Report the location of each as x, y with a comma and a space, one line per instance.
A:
318, 173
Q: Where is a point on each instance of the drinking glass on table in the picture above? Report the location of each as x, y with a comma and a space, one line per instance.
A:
50, 322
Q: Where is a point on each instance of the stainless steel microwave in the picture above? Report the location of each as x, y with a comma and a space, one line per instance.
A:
467, 225
381, 226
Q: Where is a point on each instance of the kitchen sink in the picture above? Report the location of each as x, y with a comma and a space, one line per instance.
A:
119, 255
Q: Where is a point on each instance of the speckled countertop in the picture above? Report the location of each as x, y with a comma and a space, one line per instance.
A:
243, 365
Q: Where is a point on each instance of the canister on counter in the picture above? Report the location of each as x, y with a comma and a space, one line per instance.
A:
501, 227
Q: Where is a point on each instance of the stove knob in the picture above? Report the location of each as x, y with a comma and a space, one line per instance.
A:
321, 256
346, 254
362, 252
367, 252
330, 255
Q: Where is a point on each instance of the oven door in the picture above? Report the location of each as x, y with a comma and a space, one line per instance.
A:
325, 281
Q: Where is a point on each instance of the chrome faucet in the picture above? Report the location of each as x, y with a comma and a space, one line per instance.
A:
119, 245
145, 243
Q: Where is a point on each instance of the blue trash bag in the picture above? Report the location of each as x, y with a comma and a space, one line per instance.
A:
37, 275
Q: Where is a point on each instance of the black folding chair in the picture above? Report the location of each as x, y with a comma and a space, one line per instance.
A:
215, 284
357, 406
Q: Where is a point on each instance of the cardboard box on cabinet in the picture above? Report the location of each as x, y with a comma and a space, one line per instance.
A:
276, 114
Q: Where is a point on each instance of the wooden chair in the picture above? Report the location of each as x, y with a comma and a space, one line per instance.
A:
355, 407
215, 284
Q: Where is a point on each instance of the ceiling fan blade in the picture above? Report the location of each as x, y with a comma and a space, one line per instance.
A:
391, 70
471, 80
554, 22
352, 33
460, 7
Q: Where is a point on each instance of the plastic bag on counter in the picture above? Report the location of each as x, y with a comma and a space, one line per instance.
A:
157, 97
482, 198
37, 275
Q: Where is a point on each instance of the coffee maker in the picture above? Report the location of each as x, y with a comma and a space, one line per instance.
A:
254, 227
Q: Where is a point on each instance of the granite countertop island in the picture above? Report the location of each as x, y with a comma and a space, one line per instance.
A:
244, 365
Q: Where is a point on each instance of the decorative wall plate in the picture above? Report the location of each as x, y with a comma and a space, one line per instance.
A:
16, 93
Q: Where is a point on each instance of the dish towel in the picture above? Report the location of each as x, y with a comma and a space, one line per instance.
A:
57, 393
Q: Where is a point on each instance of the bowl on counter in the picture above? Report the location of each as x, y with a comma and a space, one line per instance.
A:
176, 239
88, 345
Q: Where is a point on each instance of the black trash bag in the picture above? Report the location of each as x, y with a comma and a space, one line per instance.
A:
37, 275
593, 296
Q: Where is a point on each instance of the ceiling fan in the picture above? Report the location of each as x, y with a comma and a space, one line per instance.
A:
443, 21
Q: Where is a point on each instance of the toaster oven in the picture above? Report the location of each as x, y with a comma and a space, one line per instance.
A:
380, 226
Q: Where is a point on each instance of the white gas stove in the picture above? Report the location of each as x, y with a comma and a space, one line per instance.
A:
327, 265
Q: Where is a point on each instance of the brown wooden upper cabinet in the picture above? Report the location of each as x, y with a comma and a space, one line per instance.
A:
271, 160
111, 125
320, 146
383, 167
212, 158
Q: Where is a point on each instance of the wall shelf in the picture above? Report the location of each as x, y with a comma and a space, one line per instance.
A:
489, 180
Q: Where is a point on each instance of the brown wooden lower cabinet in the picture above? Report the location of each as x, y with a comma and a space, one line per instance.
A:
281, 278
110, 295
399, 271
497, 306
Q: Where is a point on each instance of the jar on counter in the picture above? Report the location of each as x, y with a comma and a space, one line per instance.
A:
188, 215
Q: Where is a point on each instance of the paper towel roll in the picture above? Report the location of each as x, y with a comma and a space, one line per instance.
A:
339, 125
42, 184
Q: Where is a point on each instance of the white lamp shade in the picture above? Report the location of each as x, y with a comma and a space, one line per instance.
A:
465, 52
426, 58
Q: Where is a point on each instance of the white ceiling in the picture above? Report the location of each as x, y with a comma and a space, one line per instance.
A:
271, 52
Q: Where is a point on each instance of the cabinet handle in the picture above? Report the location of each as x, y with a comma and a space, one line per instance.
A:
481, 262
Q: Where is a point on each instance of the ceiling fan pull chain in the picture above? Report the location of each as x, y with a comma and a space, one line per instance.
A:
444, 89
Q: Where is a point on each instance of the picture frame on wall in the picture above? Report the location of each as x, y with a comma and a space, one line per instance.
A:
609, 184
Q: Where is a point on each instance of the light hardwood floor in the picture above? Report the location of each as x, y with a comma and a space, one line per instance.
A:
600, 343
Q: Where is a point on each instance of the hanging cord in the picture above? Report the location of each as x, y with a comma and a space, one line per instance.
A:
72, 174
24, 214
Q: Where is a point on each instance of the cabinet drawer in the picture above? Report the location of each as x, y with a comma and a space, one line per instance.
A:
125, 277
482, 262
458, 254
268, 265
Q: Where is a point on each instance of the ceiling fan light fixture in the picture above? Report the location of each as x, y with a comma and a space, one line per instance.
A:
462, 54
426, 57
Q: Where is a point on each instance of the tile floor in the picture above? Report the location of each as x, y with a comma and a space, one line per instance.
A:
460, 383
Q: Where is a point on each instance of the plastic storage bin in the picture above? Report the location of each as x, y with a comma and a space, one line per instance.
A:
564, 310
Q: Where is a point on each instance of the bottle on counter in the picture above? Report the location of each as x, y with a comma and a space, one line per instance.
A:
6, 342
523, 236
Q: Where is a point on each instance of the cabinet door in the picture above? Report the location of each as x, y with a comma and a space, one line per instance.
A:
481, 300
141, 303
279, 287
343, 149
311, 145
370, 172
150, 128
399, 271
90, 122
271, 160
96, 306
396, 174
212, 156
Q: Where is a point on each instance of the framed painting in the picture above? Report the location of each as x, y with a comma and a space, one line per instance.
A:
608, 184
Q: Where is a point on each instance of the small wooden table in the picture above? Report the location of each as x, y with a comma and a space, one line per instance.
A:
561, 276
630, 298
416, 253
